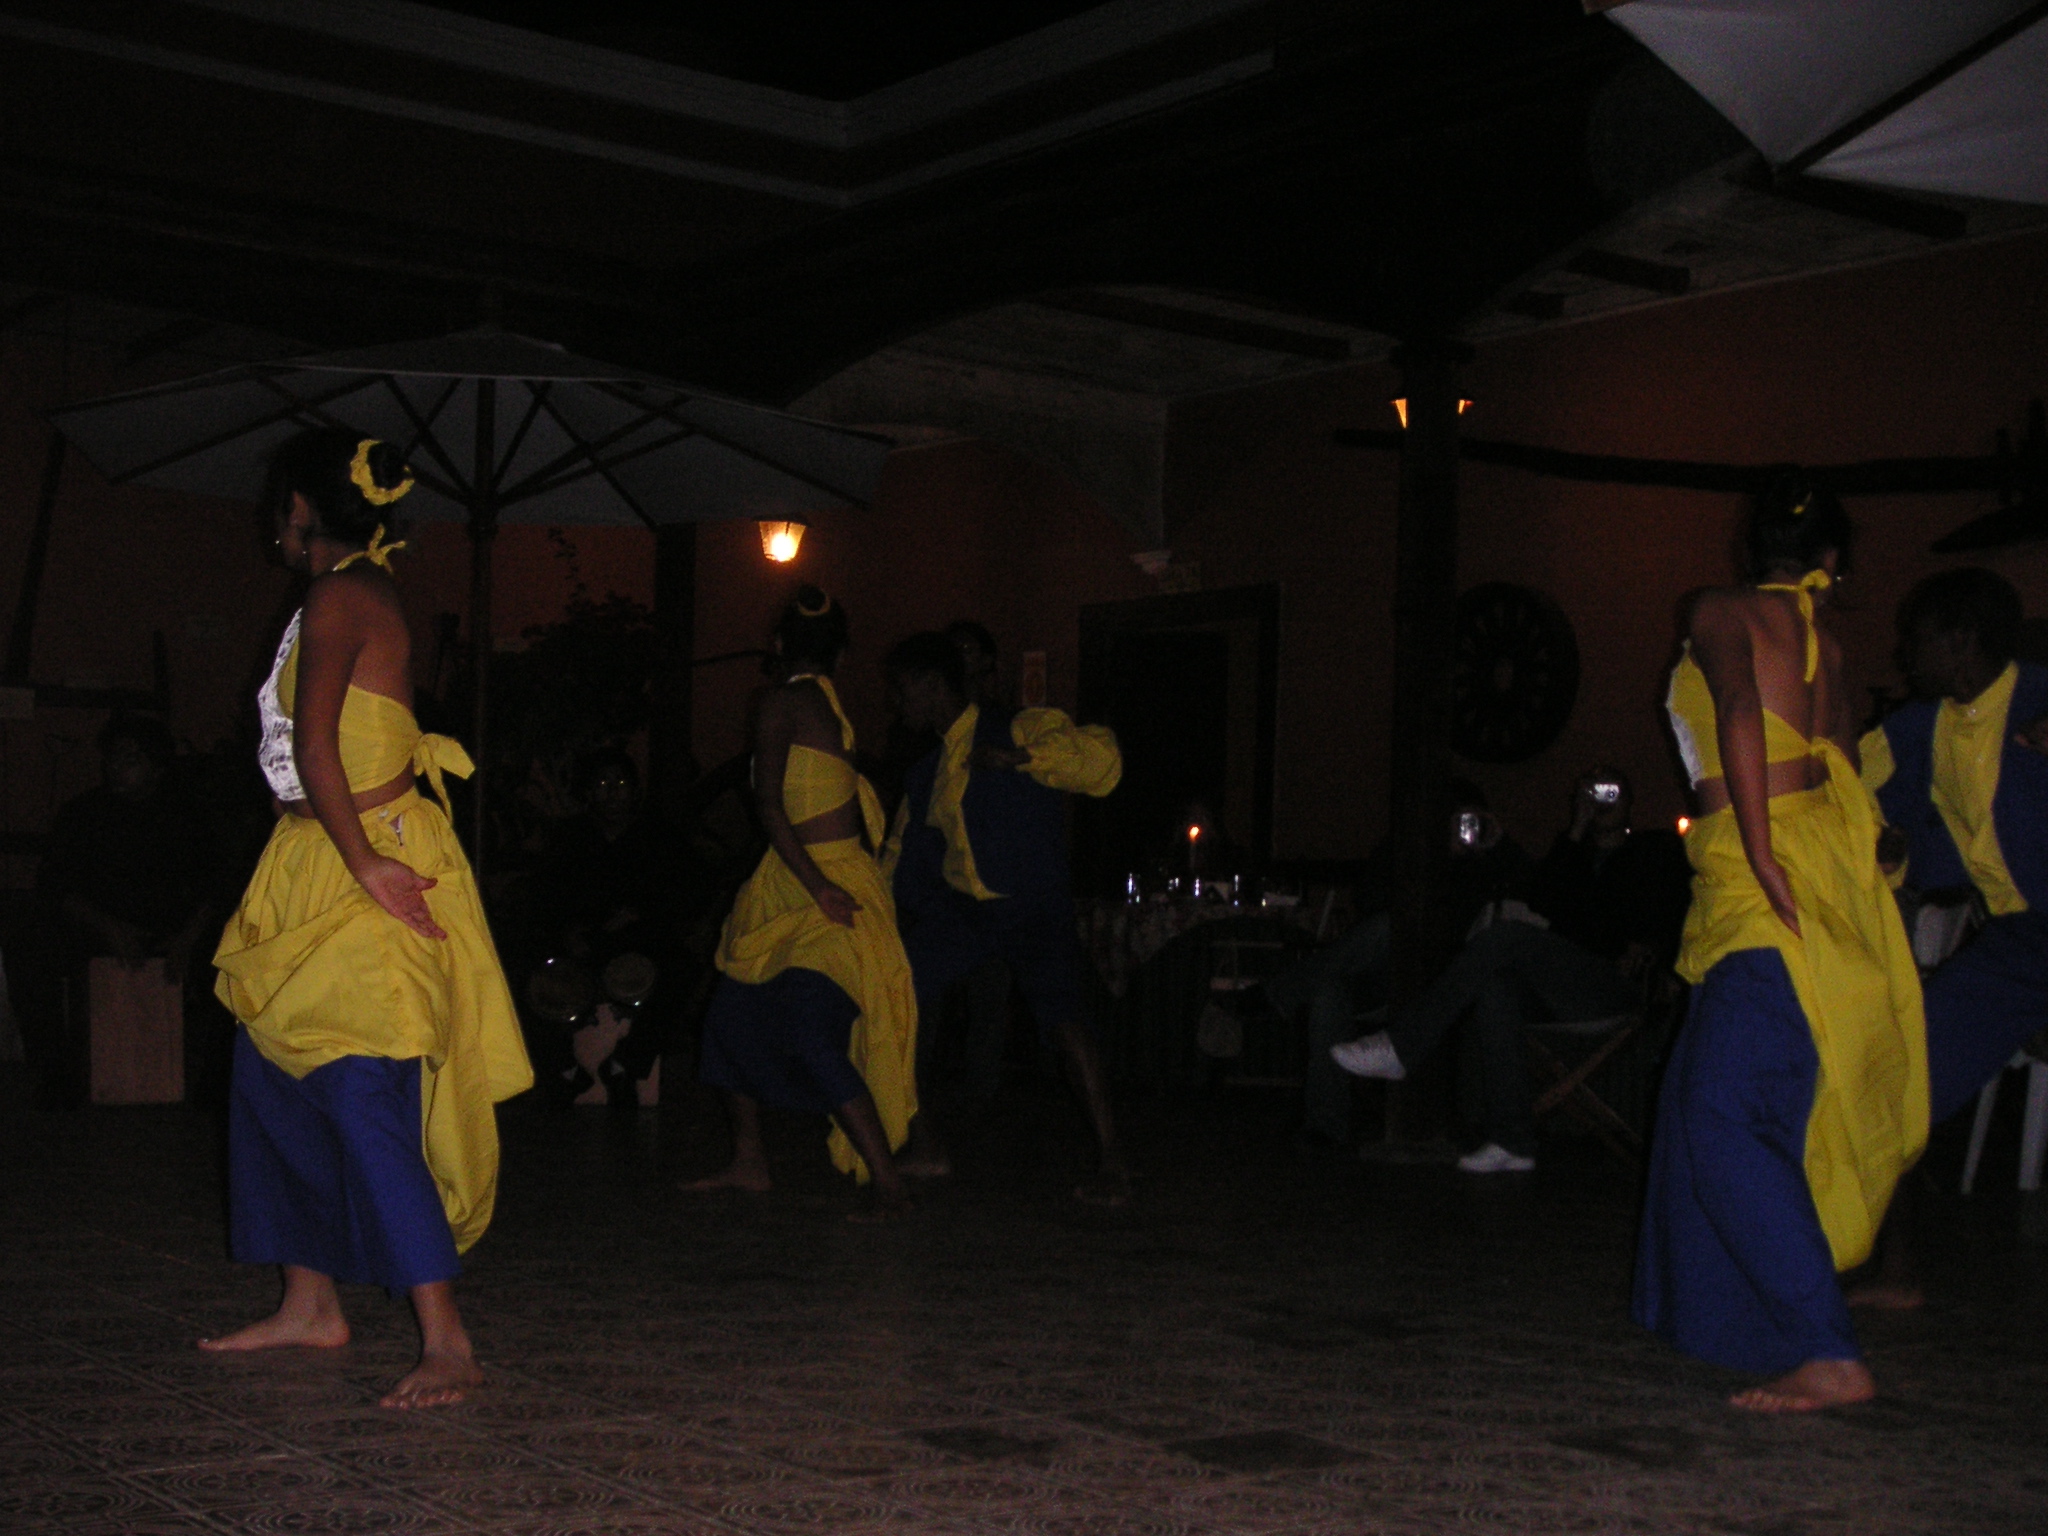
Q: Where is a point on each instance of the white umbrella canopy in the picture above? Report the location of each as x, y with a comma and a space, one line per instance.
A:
498, 427
566, 440
1945, 96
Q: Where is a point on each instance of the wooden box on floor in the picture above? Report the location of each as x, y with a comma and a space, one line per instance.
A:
137, 1021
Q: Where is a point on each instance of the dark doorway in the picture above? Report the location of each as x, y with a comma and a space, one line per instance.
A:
1187, 683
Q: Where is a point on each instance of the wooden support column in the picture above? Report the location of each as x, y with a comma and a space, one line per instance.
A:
1425, 612
675, 644
483, 536
21, 638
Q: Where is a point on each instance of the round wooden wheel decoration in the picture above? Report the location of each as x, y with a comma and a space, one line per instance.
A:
1515, 673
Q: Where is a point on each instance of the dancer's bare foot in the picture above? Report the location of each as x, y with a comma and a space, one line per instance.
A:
309, 1317
282, 1331
1110, 1188
751, 1177
1887, 1296
1815, 1385
924, 1167
439, 1379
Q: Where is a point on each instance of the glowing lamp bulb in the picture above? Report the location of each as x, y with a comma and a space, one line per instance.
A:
1194, 833
1684, 825
781, 540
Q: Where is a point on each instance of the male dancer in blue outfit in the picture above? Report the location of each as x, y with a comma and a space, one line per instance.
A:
979, 855
1961, 778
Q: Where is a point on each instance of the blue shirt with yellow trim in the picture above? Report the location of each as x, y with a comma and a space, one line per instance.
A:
990, 834
1972, 802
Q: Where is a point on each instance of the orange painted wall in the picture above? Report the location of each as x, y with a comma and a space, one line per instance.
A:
1257, 492
1914, 358
957, 530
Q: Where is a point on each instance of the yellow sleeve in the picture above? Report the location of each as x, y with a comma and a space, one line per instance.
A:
1876, 767
1874, 753
1076, 759
892, 846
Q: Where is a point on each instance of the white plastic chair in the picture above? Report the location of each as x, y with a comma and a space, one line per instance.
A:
2033, 1128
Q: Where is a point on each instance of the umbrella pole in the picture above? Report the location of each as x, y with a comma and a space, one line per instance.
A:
483, 534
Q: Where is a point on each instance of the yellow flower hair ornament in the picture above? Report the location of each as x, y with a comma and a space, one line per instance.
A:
360, 474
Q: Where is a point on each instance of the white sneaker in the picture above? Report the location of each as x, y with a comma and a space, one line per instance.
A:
1494, 1158
1369, 1056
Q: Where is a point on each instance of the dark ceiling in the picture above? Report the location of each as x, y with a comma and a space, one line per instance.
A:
1390, 165
835, 49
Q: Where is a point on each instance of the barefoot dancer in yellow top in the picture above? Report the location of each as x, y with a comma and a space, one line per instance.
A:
1797, 1091
815, 1009
376, 1029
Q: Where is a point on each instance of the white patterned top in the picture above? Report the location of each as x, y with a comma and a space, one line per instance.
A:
274, 756
1681, 728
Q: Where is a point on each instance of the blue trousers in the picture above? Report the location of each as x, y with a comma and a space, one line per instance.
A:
327, 1172
783, 1041
1035, 935
1732, 1265
1983, 1004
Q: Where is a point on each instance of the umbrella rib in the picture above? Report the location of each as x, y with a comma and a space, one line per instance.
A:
294, 407
740, 448
538, 393
544, 478
423, 427
423, 434
598, 465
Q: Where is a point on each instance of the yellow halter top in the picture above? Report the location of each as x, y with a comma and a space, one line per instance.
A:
814, 782
1690, 703
379, 738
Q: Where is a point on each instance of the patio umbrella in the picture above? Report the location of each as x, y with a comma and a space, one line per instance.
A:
499, 428
1944, 98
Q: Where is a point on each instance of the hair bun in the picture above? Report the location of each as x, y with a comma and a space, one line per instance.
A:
387, 464
380, 472
812, 602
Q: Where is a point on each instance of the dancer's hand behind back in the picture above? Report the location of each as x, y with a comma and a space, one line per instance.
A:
1778, 892
401, 891
836, 904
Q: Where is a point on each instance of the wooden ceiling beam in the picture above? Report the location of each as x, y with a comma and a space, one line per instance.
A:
1153, 315
1632, 271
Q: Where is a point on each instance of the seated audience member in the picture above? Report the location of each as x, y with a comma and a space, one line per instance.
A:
1603, 905
126, 874
619, 883
1328, 983
978, 859
1960, 776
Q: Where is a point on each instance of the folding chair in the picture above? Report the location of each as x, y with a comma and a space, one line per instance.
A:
2033, 1128
1565, 1082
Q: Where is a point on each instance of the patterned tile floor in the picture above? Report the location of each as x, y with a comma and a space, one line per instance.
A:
1266, 1343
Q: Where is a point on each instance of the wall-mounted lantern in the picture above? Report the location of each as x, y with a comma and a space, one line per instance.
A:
781, 540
